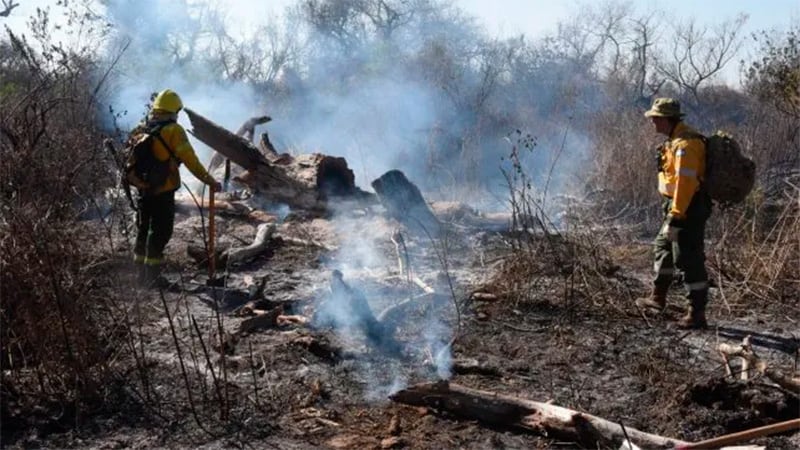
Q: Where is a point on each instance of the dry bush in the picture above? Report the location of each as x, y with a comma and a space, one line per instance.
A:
576, 253
755, 256
54, 336
625, 166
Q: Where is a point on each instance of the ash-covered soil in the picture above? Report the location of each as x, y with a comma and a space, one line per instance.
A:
545, 337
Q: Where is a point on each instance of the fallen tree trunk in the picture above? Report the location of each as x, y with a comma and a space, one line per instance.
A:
304, 182
527, 415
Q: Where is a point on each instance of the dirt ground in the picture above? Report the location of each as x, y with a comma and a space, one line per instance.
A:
587, 351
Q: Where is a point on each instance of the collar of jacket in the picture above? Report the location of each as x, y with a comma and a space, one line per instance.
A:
679, 128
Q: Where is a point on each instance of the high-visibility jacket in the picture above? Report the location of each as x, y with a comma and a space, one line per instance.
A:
175, 137
683, 167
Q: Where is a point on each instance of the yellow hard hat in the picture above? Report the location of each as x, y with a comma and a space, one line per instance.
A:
167, 100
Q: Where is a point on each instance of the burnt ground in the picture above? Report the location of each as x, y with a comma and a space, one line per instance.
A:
546, 337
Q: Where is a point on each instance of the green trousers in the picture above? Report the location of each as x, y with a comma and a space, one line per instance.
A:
687, 255
156, 219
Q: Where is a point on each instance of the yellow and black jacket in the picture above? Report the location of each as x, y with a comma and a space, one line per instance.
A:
683, 167
175, 137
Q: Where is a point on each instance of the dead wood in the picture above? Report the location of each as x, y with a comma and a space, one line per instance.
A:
305, 182
403, 266
322, 348
264, 233
484, 297
247, 130
305, 242
185, 205
751, 360
404, 202
474, 367
269, 150
255, 303
293, 319
527, 415
426, 288
235, 255
262, 319
347, 301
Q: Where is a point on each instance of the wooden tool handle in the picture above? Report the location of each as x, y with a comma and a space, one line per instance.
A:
211, 236
728, 439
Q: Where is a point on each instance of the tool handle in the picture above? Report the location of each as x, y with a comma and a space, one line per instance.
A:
211, 236
740, 436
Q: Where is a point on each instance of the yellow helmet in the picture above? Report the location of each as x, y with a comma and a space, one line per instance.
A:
167, 100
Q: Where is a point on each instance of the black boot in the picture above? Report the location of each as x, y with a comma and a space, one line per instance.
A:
695, 318
154, 279
140, 270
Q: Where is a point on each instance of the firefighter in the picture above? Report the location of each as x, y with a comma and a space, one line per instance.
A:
686, 206
156, 205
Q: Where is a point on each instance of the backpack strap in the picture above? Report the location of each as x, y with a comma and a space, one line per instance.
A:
156, 131
704, 139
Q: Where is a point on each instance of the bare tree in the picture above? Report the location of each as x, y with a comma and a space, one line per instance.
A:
643, 43
699, 53
8, 6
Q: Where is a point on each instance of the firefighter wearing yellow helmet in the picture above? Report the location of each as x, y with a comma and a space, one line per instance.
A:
687, 206
156, 204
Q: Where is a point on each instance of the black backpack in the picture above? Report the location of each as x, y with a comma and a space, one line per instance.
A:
142, 169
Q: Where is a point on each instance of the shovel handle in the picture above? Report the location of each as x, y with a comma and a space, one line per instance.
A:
746, 435
211, 236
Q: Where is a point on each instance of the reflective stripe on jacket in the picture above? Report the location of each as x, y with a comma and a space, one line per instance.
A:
175, 136
683, 167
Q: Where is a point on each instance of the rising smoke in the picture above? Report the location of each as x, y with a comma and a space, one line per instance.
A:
431, 98
428, 99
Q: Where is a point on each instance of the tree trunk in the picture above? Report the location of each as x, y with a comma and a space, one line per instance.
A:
302, 182
513, 412
404, 202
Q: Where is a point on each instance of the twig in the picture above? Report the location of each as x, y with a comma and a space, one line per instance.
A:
183, 367
217, 389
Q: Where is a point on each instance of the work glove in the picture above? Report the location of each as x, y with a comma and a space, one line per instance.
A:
216, 186
671, 228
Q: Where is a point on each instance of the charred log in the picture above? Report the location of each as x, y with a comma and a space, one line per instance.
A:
321, 347
261, 320
248, 128
347, 307
303, 182
404, 202
269, 150
526, 415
